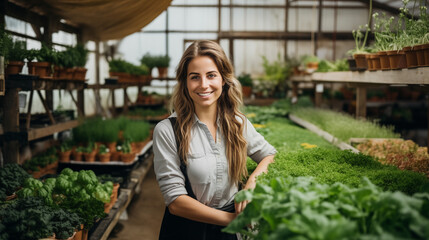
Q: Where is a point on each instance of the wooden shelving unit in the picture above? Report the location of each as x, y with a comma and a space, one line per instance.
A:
416, 77
13, 134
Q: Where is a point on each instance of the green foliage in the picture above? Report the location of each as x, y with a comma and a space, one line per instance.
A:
5, 42
102, 149
337, 66
89, 147
333, 165
81, 55
18, 51
44, 54
149, 60
41, 160
344, 126
137, 131
119, 65
303, 208
66, 146
31, 219
277, 71
82, 193
152, 61
12, 176
245, 80
125, 147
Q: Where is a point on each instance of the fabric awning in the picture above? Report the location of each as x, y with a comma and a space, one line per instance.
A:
102, 20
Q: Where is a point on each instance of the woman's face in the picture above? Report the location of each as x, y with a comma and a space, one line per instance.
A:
204, 82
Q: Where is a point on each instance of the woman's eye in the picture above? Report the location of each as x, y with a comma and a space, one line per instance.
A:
212, 75
194, 77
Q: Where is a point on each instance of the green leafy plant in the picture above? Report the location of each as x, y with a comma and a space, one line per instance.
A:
12, 176
136, 131
162, 61
18, 51
245, 80
125, 147
102, 149
149, 60
303, 208
38, 219
89, 147
66, 146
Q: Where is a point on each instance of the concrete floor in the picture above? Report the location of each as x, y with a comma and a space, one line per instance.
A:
145, 213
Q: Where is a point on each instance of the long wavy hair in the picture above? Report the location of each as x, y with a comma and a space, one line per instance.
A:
232, 120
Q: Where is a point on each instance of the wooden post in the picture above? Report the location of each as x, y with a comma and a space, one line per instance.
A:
11, 124
318, 94
81, 103
360, 102
112, 90
125, 108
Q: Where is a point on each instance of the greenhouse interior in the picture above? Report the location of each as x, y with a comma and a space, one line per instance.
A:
335, 93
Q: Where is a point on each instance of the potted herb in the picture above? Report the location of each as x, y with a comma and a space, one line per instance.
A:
77, 153
81, 54
45, 57
103, 153
162, 64
138, 138
126, 152
65, 151
150, 61
89, 152
15, 59
246, 84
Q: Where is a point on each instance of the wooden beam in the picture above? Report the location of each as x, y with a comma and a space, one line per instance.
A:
80, 113
360, 102
30, 104
11, 124
45, 105
37, 133
266, 35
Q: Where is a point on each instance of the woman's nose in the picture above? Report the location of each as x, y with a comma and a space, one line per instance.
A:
204, 82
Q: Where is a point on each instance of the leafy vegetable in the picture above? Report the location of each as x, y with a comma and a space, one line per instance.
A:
12, 176
302, 208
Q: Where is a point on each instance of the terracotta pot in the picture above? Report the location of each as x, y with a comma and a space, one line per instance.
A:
77, 156
369, 62
312, 67
115, 156
14, 67
104, 157
111, 146
384, 60
89, 157
79, 73
375, 59
247, 91
128, 157
64, 156
361, 63
425, 49
420, 55
162, 72
42, 69
397, 59
411, 56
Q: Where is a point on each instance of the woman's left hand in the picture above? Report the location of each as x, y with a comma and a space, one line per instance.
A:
251, 182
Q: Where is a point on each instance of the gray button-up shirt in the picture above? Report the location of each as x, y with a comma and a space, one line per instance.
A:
207, 166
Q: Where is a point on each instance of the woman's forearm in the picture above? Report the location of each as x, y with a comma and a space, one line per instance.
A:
261, 168
187, 207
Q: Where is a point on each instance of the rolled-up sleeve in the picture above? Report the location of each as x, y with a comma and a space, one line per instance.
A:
166, 162
257, 147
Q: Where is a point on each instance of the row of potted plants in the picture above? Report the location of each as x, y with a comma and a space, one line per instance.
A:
161, 62
45, 62
118, 139
400, 41
127, 72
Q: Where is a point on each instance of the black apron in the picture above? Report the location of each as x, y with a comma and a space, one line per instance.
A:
178, 228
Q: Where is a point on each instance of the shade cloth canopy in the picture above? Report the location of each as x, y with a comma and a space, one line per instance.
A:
102, 20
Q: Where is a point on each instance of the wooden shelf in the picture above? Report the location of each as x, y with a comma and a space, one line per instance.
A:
35, 133
31, 82
416, 76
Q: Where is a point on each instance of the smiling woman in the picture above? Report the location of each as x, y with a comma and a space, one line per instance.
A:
200, 152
